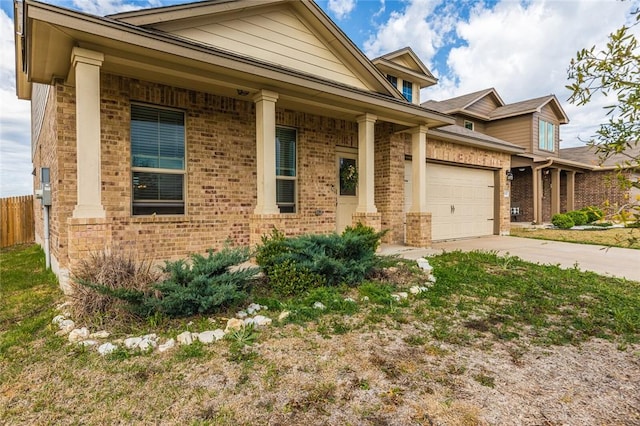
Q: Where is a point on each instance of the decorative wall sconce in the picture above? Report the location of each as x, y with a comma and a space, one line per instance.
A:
242, 92
509, 176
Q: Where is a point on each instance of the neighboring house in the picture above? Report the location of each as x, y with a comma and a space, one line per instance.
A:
172, 130
602, 183
543, 182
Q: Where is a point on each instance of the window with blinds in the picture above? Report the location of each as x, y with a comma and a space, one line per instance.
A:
157, 160
286, 172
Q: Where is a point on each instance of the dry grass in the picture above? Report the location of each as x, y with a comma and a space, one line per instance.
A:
616, 237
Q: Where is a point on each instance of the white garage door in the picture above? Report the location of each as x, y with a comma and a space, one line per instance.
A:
460, 199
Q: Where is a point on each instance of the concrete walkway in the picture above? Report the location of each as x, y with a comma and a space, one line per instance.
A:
616, 262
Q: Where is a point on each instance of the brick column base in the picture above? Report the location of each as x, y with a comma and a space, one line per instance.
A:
373, 220
85, 236
418, 230
263, 224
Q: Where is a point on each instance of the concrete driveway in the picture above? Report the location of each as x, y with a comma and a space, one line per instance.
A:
616, 262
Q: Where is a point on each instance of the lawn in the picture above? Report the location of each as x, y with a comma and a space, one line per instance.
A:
615, 237
495, 340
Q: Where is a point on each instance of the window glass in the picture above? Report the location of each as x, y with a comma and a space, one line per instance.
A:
468, 125
550, 137
348, 176
157, 142
542, 132
286, 170
393, 80
407, 90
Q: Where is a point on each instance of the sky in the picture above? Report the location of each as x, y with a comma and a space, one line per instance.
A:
520, 48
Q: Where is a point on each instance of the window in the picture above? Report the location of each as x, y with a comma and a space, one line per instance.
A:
157, 160
468, 125
393, 80
407, 90
286, 169
546, 135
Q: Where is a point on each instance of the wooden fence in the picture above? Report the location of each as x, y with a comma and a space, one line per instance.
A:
16, 221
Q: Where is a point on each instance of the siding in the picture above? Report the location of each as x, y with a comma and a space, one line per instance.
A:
549, 116
478, 126
517, 130
277, 37
484, 106
40, 93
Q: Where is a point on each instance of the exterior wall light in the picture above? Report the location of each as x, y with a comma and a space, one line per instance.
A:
509, 176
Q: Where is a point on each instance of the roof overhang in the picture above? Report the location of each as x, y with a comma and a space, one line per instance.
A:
50, 33
477, 141
531, 160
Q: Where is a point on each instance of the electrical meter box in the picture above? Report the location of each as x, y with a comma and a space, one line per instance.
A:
44, 193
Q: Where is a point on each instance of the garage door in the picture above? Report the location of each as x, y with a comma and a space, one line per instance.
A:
460, 199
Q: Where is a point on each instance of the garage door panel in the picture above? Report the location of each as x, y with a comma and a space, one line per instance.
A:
460, 199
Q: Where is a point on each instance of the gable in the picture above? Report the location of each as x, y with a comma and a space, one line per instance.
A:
404, 63
277, 35
484, 106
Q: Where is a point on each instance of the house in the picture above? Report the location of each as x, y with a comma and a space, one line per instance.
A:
172, 130
601, 184
542, 182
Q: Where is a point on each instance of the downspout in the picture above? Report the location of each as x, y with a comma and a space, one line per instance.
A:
537, 203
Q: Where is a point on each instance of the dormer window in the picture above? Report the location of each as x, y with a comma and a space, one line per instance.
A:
393, 80
468, 125
407, 90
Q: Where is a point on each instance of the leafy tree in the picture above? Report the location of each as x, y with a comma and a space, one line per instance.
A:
612, 71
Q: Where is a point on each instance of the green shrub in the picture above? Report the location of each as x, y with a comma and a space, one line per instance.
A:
593, 213
318, 259
562, 221
579, 217
287, 279
206, 285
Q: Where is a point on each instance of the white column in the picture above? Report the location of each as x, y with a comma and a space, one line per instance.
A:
366, 153
266, 152
419, 169
86, 65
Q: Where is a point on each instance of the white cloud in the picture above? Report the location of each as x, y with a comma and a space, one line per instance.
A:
108, 7
341, 8
15, 142
410, 27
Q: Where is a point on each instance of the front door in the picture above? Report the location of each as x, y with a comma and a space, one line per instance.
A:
347, 195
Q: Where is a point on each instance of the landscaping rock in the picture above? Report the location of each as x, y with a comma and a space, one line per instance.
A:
241, 314
261, 321
147, 343
185, 338
349, 299
234, 324
57, 320
87, 343
66, 326
106, 348
207, 337
132, 342
102, 334
169, 344
283, 315
78, 335
218, 333
432, 278
319, 305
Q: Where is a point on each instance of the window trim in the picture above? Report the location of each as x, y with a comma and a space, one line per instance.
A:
469, 122
295, 204
158, 170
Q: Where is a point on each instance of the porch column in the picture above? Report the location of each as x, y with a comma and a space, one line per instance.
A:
419, 169
418, 220
366, 187
571, 191
266, 152
537, 195
86, 70
555, 191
